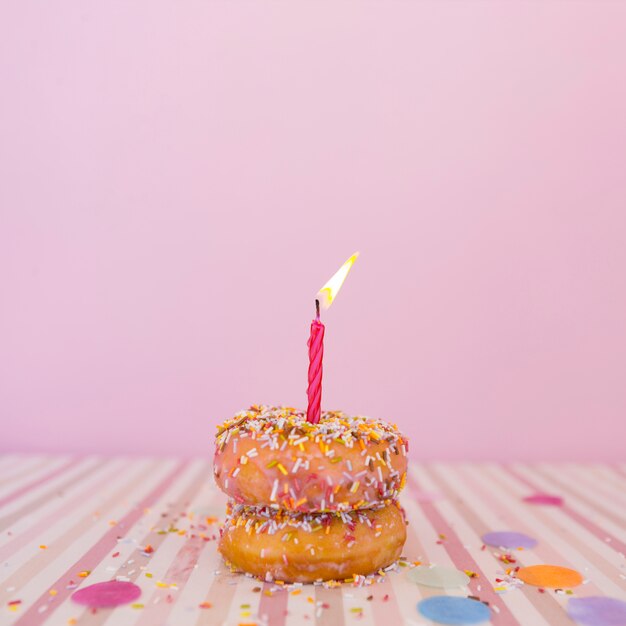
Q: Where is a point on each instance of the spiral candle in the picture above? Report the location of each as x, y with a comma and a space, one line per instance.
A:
316, 353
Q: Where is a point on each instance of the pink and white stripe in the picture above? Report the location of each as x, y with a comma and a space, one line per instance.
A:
97, 515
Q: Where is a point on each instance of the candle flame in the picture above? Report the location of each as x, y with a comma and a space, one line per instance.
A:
327, 294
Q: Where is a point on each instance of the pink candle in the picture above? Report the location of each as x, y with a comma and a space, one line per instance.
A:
316, 353
316, 340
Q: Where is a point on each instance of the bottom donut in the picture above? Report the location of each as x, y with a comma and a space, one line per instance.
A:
276, 545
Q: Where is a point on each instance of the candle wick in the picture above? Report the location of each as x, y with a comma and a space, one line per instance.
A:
317, 310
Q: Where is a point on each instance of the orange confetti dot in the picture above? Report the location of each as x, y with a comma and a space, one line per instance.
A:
205, 605
43, 547
552, 576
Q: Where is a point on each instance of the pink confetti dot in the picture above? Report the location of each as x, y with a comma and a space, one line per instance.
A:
107, 594
544, 498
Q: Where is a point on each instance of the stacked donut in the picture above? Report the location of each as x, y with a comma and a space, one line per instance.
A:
310, 502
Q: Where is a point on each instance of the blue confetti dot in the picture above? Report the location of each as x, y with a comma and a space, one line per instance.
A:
454, 610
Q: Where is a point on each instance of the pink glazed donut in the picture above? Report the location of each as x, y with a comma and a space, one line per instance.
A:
272, 456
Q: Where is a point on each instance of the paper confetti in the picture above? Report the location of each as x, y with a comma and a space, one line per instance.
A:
552, 576
438, 576
544, 498
454, 610
597, 611
107, 594
509, 539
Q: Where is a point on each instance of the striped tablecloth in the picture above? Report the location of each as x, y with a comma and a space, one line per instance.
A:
69, 522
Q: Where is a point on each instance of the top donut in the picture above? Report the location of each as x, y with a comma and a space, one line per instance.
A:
272, 456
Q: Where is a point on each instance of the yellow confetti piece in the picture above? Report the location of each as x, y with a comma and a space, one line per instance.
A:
84, 573
53, 592
137, 605
43, 547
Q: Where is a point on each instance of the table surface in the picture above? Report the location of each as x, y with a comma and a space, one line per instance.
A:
67, 522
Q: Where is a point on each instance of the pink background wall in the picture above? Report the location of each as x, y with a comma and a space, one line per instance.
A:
178, 180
